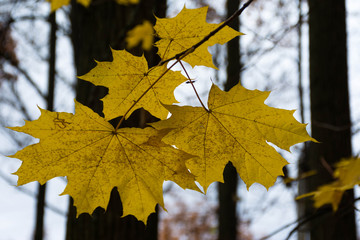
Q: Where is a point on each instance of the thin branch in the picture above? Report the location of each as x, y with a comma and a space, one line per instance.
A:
19, 143
279, 230
31, 194
275, 43
28, 18
31, 81
183, 54
331, 126
65, 80
21, 104
320, 212
192, 84
186, 52
308, 219
327, 167
301, 221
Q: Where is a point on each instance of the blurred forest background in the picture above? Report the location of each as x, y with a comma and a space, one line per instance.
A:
307, 54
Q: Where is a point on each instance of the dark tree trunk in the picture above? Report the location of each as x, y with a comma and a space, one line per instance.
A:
330, 117
227, 191
94, 30
40, 207
234, 65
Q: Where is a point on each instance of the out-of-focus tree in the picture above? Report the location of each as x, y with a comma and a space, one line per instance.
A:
198, 222
330, 119
10, 20
227, 191
94, 30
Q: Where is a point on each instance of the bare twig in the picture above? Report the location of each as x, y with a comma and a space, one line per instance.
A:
301, 221
31, 194
320, 212
192, 84
186, 52
31, 81
331, 126
21, 103
308, 219
327, 166
279, 230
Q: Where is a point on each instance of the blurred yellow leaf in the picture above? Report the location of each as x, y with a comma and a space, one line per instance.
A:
143, 33
347, 173
126, 2
327, 194
56, 4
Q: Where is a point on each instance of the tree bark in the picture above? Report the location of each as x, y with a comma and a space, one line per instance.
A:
330, 117
40, 207
227, 216
94, 30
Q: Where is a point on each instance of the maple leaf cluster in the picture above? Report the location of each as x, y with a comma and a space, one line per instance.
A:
95, 156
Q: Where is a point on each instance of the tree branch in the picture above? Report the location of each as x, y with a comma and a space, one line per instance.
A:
183, 54
32, 194
31, 81
186, 52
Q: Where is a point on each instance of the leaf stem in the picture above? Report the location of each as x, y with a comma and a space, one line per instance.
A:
192, 84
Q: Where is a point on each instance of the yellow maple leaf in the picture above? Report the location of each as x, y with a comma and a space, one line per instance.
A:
185, 30
141, 33
236, 128
127, 2
56, 4
347, 173
127, 78
95, 158
326, 194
